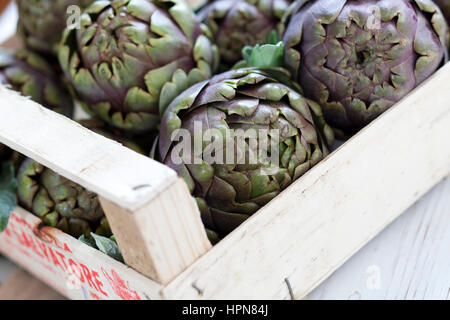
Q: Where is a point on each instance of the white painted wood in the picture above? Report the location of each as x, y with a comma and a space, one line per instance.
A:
162, 238
410, 259
315, 225
99, 164
137, 193
58, 259
8, 21
303, 235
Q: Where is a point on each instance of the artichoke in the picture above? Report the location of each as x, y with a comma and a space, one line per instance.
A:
60, 202
130, 57
41, 22
230, 190
445, 8
32, 76
238, 23
5, 152
358, 58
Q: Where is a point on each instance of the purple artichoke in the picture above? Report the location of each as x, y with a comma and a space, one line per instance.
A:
237, 23
230, 190
358, 58
130, 57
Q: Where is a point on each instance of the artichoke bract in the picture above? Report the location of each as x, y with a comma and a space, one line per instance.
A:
252, 106
131, 57
41, 22
59, 202
238, 23
31, 75
445, 8
358, 58
102, 129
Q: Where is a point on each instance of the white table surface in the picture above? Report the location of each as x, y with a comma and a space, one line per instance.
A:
410, 259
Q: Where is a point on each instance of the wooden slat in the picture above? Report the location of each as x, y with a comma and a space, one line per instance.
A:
140, 192
409, 260
162, 238
20, 285
99, 164
74, 269
315, 225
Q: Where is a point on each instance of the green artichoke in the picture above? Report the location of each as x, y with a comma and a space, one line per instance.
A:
445, 8
131, 57
41, 22
230, 190
32, 76
59, 202
238, 23
358, 58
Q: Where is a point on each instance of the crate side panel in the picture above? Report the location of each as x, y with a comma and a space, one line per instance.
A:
91, 160
314, 226
139, 188
195, 4
72, 268
163, 238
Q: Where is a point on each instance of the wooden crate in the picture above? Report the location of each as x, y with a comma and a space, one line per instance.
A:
282, 252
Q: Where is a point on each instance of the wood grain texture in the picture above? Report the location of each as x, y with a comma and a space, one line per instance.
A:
411, 255
20, 285
125, 178
301, 237
91, 160
321, 220
164, 237
74, 269
410, 259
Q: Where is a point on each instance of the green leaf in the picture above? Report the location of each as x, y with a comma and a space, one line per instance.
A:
89, 241
273, 37
8, 198
108, 246
264, 56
